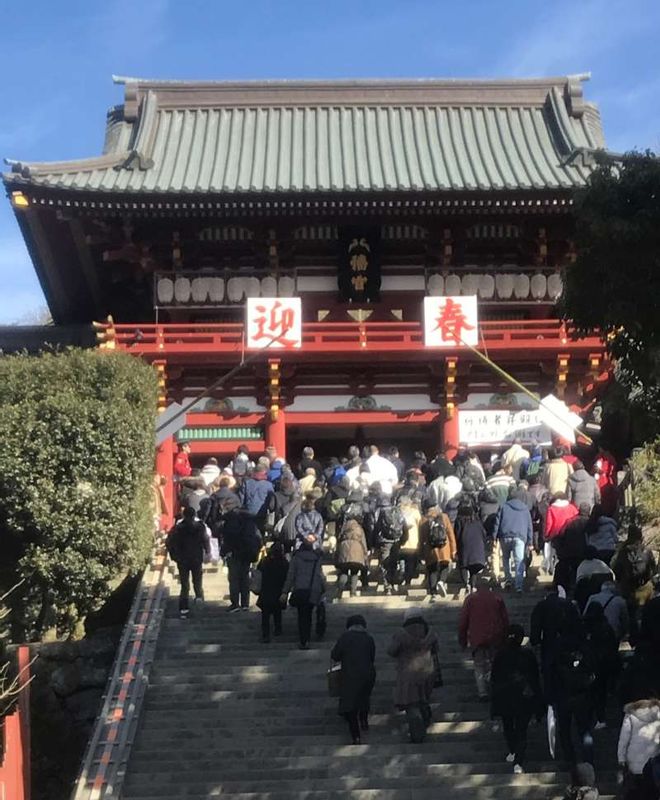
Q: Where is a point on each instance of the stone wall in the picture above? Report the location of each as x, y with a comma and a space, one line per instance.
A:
68, 686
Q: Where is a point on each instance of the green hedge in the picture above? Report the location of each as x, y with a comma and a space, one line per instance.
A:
76, 465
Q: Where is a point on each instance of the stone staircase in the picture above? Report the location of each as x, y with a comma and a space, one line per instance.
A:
227, 715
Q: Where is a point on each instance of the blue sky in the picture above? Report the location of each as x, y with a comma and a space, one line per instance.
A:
57, 59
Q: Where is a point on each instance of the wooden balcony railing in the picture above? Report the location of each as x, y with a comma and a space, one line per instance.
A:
185, 340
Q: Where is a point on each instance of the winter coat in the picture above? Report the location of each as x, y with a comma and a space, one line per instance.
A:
182, 466
583, 488
483, 620
309, 463
209, 473
556, 474
639, 739
187, 543
255, 495
500, 484
352, 545
488, 508
623, 569
412, 647
593, 566
651, 621
470, 542
514, 521
604, 534
355, 650
515, 457
451, 488
434, 555
306, 573
410, 543
559, 513
515, 681
240, 536
572, 539
615, 609
552, 618
273, 575
310, 523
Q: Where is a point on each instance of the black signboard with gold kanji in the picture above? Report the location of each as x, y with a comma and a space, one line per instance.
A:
359, 266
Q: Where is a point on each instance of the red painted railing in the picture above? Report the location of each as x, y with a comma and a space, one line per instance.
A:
173, 339
15, 733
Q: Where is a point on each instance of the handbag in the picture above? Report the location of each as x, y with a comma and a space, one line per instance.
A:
551, 723
300, 597
437, 670
256, 580
334, 680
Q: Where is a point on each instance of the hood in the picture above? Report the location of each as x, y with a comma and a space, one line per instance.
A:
259, 476
644, 710
487, 496
579, 476
417, 634
560, 503
352, 530
516, 504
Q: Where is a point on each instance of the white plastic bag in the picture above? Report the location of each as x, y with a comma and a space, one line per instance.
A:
552, 731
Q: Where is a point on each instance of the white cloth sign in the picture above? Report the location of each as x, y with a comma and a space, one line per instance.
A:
495, 427
450, 321
273, 322
558, 416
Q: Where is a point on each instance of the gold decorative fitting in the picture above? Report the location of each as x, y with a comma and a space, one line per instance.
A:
19, 200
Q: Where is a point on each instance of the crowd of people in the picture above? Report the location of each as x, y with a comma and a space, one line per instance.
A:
385, 523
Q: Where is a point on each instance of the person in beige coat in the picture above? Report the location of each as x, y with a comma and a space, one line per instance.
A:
410, 544
556, 473
351, 557
438, 544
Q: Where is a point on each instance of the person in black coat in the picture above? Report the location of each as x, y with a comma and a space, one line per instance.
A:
241, 542
516, 693
570, 546
553, 617
273, 568
187, 544
355, 650
602, 648
470, 544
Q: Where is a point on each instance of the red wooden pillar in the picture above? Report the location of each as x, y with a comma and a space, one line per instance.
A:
165, 466
450, 433
276, 431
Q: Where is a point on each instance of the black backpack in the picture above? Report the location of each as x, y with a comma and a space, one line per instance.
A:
437, 532
637, 565
390, 524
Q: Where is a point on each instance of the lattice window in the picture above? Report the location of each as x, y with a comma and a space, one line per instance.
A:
225, 233
493, 231
316, 233
403, 232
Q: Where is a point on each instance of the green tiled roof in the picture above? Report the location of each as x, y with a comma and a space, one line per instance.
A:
359, 136
215, 433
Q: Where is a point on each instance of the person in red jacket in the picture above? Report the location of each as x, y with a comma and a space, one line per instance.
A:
182, 467
560, 511
483, 625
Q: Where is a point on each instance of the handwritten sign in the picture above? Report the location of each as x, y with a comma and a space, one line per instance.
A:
451, 321
273, 322
495, 427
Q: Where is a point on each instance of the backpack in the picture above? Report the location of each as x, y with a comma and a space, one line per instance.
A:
239, 467
533, 468
336, 506
437, 532
390, 524
638, 566
352, 511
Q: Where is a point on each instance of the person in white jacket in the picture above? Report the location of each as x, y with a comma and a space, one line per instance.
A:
639, 739
514, 457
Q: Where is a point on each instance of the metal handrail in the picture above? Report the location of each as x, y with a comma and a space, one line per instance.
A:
106, 756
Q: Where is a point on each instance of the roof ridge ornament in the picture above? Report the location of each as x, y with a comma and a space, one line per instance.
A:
574, 93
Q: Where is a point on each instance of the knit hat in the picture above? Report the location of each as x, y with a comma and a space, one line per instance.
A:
412, 613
